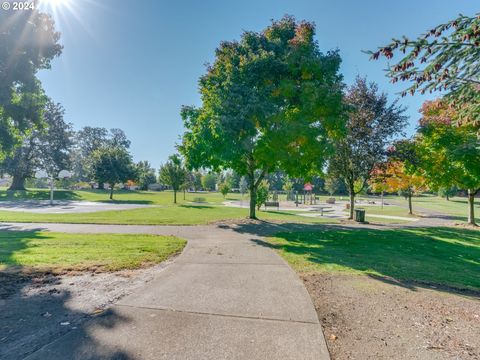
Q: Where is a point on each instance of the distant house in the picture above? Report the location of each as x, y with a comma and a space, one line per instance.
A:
156, 187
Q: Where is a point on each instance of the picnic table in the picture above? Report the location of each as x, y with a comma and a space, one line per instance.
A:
272, 204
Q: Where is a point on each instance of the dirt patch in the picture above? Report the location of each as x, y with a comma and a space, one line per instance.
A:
36, 309
367, 318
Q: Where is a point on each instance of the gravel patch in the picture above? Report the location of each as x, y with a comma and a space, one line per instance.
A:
34, 310
367, 318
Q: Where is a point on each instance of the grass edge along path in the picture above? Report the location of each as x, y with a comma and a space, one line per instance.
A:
43, 251
442, 256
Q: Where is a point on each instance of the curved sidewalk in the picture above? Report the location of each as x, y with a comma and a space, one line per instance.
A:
227, 296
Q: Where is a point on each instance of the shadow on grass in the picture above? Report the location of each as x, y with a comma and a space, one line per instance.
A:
19, 195
115, 201
278, 212
29, 320
119, 191
196, 206
447, 259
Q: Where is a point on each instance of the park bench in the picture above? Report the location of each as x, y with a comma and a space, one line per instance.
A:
272, 204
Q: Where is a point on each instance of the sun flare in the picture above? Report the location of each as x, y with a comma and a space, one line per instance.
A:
54, 3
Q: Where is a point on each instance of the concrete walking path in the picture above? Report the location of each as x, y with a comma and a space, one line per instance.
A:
227, 296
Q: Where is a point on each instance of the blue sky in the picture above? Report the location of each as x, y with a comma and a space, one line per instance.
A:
132, 64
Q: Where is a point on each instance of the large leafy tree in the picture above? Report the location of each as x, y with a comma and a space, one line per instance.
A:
269, 101
372, 123
112, 165
448, 154
56, 142
446, 57
174, 174
90, 139
28, 43
47, 148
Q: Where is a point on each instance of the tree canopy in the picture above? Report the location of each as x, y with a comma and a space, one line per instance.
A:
112, 165
145, 175
270, 100
28, 43
448, 155
174, 174
446, 57
89, 139
46, 148
371, 123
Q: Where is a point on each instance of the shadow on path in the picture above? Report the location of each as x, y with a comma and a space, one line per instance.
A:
439, 258
31, 317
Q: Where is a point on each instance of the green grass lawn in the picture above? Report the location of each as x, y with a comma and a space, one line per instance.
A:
443, 256
59, 252
120, 196
390, 210
456, 206
183, 214
199, 208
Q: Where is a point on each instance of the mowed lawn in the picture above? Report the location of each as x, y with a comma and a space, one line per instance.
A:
119, 196
60, 252
456, 206
197, 208
182, 214
201, 208
442, 256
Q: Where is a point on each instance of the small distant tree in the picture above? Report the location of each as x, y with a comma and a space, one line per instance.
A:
173, 174
331, 185
112, 165
209, 181
187, 184
243, 185
288, 188
196, 180
262, 193
224, 188
378, 180
447, 192
145, 175
371, 124
232, 179
399, 180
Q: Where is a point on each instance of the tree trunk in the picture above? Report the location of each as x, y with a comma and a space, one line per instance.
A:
471, 206
174, 196
382, 199
18, 183
52, 186
101, 186
184, 192
410, 208
111, 191
352, 203
448, 197
253, 200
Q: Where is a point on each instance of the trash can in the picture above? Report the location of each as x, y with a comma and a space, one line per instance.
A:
360, 215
